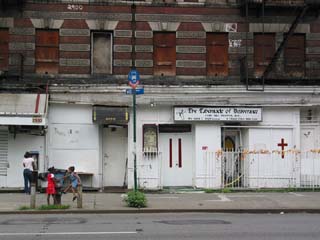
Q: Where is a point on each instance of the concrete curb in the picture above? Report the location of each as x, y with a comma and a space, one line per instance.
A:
147, 211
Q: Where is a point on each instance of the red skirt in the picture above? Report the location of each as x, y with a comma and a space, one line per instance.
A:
51, 188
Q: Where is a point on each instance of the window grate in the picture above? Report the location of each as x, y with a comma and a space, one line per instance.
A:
309, 116
3, 152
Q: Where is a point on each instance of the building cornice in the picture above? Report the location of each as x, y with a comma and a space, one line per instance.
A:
188, 95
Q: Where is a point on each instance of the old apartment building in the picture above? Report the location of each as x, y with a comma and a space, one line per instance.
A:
216, 77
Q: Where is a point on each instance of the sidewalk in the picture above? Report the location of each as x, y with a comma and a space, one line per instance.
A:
246, 202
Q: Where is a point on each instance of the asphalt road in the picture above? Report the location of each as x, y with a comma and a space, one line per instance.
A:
160, 226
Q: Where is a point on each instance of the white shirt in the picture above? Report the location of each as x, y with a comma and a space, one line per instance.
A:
27, 163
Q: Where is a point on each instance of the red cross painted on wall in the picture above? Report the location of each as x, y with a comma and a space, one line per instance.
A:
282, 145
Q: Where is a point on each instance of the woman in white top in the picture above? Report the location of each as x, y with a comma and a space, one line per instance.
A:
28, 164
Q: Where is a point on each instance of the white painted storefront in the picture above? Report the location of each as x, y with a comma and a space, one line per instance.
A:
182, 157
12, 148
207, 136
185, 151
73, 140
98, 152
22, 128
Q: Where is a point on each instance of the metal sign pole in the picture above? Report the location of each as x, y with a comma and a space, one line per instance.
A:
134, 78
134, 141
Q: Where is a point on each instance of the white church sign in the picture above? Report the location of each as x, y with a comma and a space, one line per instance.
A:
218, 114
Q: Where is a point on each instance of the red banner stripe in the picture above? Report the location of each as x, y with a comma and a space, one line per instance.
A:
170, 152
180, 153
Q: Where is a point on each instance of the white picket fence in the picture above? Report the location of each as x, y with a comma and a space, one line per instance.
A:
244, 169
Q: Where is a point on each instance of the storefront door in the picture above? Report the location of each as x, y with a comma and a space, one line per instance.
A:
115, 156
177, 159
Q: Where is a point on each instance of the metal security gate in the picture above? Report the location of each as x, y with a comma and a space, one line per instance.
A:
262, 169
256, 169
233, 169
3, 152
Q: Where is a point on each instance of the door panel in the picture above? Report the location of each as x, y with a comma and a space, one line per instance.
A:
177, 159
115, 156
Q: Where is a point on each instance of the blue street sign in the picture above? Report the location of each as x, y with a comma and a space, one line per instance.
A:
138, 91
133, 78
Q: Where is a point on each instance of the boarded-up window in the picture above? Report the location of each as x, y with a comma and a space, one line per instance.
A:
101, 53
4, 49
164, 54
217, 54
47, 51
294, 55
264, 49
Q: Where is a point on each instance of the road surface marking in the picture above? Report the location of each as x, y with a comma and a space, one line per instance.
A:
296, 194
246, 196
165, 197
222, 197
186, 192
64, 233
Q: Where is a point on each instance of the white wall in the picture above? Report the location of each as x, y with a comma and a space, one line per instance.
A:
271, 170
150, 172
310, 144
73, 140
275, 119
280, 116
245, 138
309, 136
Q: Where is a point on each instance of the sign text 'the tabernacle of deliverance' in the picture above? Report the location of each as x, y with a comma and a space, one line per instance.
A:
217, 114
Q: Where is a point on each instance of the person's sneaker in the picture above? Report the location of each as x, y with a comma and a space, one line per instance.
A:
74, 198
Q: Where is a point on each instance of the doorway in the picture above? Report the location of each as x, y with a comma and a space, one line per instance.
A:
232, 166
176, 144
231, 139
115, 156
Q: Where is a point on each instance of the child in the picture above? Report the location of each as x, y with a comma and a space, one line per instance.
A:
51, 188
74, 182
